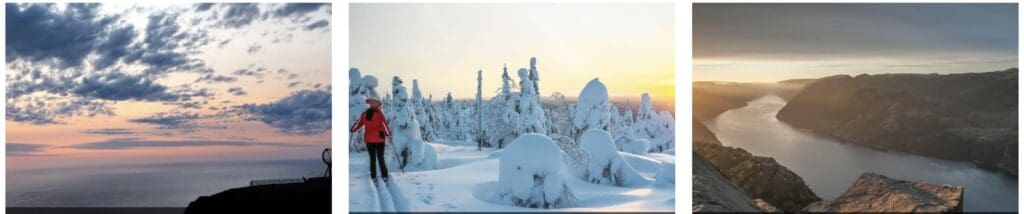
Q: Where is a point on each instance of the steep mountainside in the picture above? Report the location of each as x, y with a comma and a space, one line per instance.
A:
713, 192
713, 98
876, 193
969, 117
760, 177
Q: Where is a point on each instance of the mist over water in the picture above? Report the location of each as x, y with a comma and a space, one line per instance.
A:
151, 185
829, 166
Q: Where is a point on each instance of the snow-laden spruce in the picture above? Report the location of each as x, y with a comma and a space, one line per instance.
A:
606, 164
413, 152
530, 174
592, 108
650, 126
360, 88
531, 114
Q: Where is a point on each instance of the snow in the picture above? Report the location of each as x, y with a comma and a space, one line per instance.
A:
510, 153
607, 166
636, 146
592, 108
530, 174
458, 187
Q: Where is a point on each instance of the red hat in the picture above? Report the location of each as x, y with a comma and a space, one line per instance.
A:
373, 102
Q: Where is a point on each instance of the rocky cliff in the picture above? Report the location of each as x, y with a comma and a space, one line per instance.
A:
701, 134
968, 117
311, 196
759, 177
713, 192
876, 193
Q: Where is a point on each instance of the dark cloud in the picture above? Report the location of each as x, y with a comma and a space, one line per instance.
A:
298, 9
282, 71
166, 48
293, 76
41, 33
216, 78
293, 84
306, 112
317, 25
801, 31
252, 70
109, 131
114, 48
23, 149
133, 143
240, 15
171, 120
204, 6
51, 110
254, 48
237, 91
120, 86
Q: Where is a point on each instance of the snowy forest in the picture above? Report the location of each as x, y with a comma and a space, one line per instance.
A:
595, 141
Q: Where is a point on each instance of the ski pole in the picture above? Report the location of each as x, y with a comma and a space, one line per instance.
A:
401, 165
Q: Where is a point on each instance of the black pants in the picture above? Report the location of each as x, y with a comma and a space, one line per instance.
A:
376, 151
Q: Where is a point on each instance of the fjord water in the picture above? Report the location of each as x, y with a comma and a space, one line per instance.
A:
151, 185
829, 166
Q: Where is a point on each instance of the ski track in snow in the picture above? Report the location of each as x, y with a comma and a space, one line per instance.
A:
387, 204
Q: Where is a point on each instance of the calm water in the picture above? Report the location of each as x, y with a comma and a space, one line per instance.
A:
829, 167
161, 185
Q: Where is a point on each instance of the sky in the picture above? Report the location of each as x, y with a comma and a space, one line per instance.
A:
773, 42
629, 47
96, 84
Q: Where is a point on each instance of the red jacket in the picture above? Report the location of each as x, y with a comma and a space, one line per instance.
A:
376, 129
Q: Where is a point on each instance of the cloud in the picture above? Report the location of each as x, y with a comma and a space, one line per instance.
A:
117, 86
240, 15
45, 110
39, 32
108, 131
293, 76
306, 112
293, 84
252, 70
203, 6
23, 149
254, 48
171, 120
844, 31
298, 9
166, 48
132, 143
216, 78
317, 25
237, 91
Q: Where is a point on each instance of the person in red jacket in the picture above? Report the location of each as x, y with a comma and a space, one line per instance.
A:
375, 134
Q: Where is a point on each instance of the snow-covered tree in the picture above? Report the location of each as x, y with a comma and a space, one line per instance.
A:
360, 88
530, 112
527, 177
592, 108
561, 116
478, 134
413, 152
652, 126
503, 113
421, 107
607, 166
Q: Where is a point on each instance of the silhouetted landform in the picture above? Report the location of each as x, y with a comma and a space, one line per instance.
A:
311, 196
876, 193
787, 89
712, 98
701, 134
713, 192
968, 117
759, 177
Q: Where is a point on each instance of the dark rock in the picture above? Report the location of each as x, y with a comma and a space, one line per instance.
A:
713, 192
968, 117
311, 196
876, 193
759, 177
